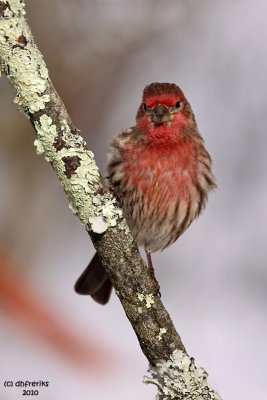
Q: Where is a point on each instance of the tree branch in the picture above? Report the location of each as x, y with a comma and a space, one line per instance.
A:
59, 141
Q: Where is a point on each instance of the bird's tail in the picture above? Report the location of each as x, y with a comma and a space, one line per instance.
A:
95, 281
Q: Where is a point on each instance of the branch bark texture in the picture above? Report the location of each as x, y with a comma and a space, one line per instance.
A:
172, 370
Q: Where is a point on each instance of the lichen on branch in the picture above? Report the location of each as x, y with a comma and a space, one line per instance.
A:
57, 140
76, 168
26, 70
179, 378
63, 147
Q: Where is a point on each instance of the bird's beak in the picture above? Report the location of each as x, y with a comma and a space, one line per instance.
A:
160, 115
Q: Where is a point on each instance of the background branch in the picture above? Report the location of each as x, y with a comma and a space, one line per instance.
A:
59, 141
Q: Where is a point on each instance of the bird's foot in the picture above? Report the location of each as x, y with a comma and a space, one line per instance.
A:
152, 274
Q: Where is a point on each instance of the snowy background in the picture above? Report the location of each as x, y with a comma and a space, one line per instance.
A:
100, 55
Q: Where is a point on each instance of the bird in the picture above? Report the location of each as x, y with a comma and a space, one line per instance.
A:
161, 174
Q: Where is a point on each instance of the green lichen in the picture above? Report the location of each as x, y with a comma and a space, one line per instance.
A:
39, 147
46, 132
147, 298
162, 331
97, 212
178, 378
16, 7
77, 187
98, 224
22, 62
105, 205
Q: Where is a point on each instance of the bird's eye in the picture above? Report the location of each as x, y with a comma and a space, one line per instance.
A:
178, 104
145, 107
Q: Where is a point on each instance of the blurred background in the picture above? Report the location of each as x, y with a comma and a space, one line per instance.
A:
100, 55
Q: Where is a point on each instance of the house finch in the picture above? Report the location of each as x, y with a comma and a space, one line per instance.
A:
161, 173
